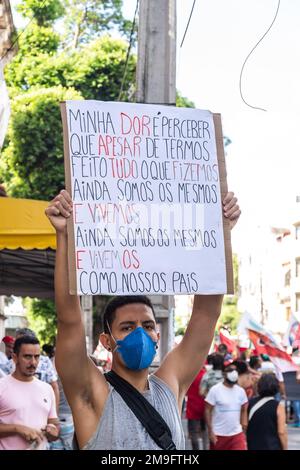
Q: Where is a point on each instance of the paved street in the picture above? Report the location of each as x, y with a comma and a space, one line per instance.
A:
293, 437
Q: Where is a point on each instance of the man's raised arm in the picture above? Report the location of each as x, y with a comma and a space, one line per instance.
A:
70, 348
74, 367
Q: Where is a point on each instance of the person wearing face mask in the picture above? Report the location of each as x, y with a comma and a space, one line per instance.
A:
226, 412
102, 419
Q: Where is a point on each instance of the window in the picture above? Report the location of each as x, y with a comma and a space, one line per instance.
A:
297, 302
297, 232
297, 267
287, 278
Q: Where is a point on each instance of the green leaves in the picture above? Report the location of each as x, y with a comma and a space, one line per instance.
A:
88, 19
43, 11
32, 162
42, 319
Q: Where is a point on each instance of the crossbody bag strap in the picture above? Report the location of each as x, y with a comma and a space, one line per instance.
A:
152, 421
258, 405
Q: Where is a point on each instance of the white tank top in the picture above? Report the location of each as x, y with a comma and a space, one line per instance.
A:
119, 428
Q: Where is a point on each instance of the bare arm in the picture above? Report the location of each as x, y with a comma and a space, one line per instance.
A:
27, 433
52, 429
208, 419
85, 387
281, 426
244, 417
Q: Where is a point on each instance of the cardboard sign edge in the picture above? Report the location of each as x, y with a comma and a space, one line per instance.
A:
70, 221
224, 189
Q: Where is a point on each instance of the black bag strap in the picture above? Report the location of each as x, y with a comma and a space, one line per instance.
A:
153, 422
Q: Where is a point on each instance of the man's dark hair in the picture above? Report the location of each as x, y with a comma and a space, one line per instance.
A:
49, 350
24, 340
254, 362
222, 348
117, 302
25, 332
216, 360
241, 366
267, 386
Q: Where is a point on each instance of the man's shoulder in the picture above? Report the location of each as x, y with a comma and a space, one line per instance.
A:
215, 388
4, 381
40, 384
218, 385
239, 390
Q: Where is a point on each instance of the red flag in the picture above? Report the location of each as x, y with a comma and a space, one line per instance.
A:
225, 338
265, 345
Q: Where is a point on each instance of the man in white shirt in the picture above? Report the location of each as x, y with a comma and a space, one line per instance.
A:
226, 412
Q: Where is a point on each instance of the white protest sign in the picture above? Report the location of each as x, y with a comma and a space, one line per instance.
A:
147, 185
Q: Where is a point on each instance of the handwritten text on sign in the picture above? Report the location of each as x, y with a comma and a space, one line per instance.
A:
147, 202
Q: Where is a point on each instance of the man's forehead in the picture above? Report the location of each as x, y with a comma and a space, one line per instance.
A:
134, 312
30, 348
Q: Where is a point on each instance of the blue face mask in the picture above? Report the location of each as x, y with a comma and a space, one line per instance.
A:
137, 349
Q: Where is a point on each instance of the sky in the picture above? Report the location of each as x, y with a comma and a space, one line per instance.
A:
263, 160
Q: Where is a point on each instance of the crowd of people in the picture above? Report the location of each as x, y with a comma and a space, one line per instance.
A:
231, 405
238, 404
64, 400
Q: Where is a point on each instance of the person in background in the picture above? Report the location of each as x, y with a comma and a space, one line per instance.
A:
245, 378
254, 368
66, 424
226, 412
44, 371
267, 367
5, 357
223, 350
27, 406
255, 363
49, 351
214, 375
195, 413
266, 417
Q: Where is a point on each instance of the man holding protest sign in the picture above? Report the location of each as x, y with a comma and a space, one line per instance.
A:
130, 333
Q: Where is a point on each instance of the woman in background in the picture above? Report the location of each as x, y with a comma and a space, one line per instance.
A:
266, 417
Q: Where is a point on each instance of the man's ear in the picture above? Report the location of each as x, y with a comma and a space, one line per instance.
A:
104, 339
158, 339
14, 357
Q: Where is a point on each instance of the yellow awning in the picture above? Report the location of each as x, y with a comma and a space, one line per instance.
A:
23, 224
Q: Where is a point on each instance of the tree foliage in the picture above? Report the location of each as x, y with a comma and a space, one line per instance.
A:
51, 66
44, 12
86, 19
32, 162
183, 102
41, 316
